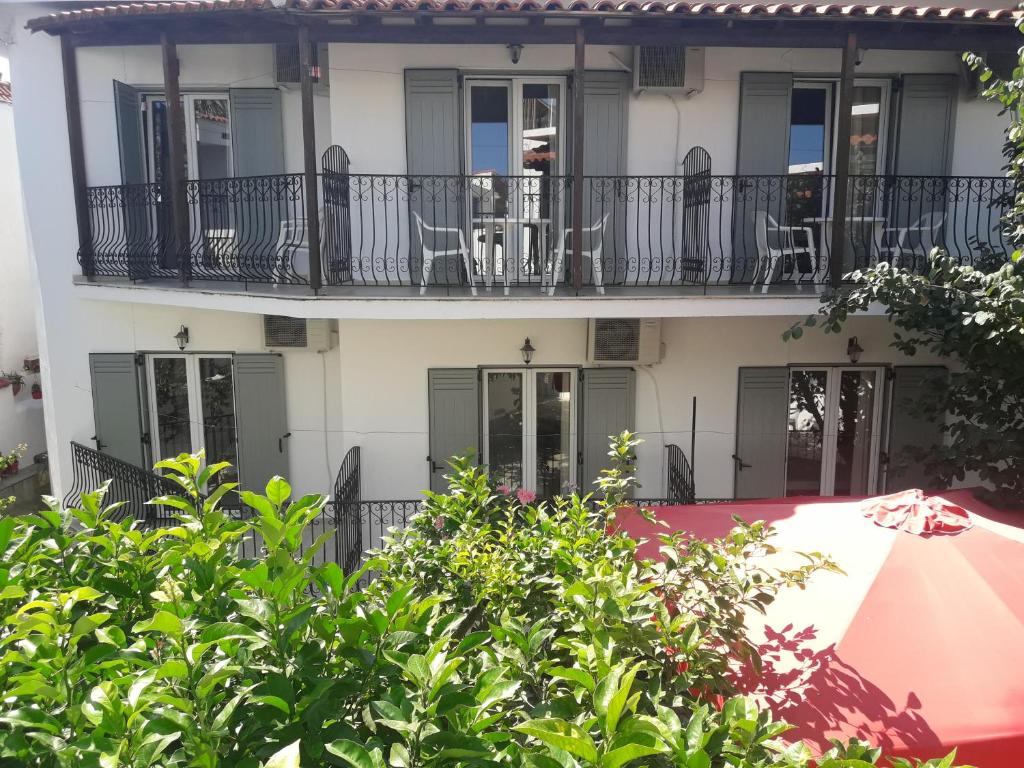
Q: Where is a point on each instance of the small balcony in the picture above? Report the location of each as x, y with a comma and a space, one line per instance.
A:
439, 236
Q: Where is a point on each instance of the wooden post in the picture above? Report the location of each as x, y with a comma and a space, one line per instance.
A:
839, 194
176, 152
577, 161
77, 150
309, 159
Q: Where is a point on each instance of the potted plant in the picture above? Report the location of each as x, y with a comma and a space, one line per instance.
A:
37, 391
9, 461
15, 380
31, 365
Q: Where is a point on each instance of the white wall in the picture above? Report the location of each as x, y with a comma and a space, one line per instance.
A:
21, 417
371, 76
384, 385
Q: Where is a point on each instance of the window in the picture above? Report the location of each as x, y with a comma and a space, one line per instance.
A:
192, 406
207, 136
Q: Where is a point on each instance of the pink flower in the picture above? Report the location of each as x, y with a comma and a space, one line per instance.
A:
439, 523
504, 490
525, 496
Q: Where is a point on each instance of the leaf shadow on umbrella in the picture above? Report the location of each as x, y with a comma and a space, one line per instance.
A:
814, 689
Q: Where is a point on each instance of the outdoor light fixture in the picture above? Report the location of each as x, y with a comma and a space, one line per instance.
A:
853, 350
527, 350
515, 51
182, 338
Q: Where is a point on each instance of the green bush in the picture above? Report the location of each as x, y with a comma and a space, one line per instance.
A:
495, 634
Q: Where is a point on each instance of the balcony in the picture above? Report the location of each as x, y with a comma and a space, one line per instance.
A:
437, 236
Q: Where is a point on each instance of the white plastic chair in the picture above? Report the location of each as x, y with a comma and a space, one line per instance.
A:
769, 256
292, 249
429, 254
596, 233
926, 229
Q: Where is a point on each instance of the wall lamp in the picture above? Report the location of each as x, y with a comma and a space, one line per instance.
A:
182, 338
515, 52
527, 350
853, 350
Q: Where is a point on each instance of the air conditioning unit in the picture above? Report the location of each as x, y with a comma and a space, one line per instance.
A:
286, 64
281, 332
618, 341
668, 69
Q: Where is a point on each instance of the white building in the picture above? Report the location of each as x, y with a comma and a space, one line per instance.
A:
21, 410
455, 162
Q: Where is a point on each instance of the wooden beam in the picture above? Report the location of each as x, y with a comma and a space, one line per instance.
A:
839, 194
579, 65
77, 151
309, 159
176, 152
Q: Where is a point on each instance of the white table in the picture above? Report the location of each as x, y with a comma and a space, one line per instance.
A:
489, 225
876, 223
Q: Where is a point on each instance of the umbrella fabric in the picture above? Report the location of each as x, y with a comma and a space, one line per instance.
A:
915, 512
918, 649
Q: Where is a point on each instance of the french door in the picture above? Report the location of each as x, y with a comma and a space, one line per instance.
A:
833, 431
529, 428
515, 156
192, 406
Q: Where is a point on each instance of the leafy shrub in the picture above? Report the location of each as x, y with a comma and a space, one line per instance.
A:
496, 634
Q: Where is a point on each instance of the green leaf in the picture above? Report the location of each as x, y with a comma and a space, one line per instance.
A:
351, 753
619, 756
574, 674
278, 490
162, 621
563, 735
286, 757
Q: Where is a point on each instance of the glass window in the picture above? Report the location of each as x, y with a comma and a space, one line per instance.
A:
213, 138
804, 444
865, 130
505, 428
173, 412
489, 130
854, 433
554, 432
808, 129
217, 395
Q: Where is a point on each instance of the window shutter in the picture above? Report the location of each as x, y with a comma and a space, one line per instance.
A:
761, 427
927, 116
257, 143
609, 407
765, 101
128, 113
433, 141
605, 123
119, 406
262, 426
910, 383
454, 403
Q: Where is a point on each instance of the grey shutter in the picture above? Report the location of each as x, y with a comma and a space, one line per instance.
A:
128, 113
761, 426
260, 419
137, 211
119, 406
454, 403
609, 407
909, 384
257, 141
763, 150
605, 124
927, 116
433, 151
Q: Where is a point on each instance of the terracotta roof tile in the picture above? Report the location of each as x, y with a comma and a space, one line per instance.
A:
652, 7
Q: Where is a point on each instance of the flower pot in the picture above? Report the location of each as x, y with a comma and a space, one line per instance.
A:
4, 383
37, 394
10, 469
32, 364
16, 387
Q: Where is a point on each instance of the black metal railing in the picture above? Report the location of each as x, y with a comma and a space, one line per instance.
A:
247, 229
444, 234
129, 483
679, 473
345, 504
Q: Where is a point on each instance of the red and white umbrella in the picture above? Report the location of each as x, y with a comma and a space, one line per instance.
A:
918, 649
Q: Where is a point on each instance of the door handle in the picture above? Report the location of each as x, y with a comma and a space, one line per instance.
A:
280, 441
434, 466
740, 463
100, 445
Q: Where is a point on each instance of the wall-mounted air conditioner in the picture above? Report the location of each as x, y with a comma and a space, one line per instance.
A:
668, 69
281, 332
286, 65
622, 341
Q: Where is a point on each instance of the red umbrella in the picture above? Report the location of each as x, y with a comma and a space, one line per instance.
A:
918, 649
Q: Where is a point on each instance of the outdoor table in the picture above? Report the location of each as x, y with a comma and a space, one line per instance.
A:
918, 649
876, 223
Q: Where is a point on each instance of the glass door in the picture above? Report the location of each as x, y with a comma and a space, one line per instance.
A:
515, 158
192, 406
832, 440
529, 429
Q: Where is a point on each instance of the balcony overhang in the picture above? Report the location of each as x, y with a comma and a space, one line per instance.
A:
555, 22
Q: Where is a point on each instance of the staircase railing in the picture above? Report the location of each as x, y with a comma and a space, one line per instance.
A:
129, 483
680, 486
349, 535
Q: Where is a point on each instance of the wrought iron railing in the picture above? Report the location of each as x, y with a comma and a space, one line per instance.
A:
445, 234
679, 473
128, 483
345, 505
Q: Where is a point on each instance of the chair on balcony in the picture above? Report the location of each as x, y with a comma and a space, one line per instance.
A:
441, 235
594, 253
292, 249
914, 242
769, 256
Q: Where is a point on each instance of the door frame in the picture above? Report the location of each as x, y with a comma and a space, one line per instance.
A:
191, 133
194, 392
529, 406
834, 373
